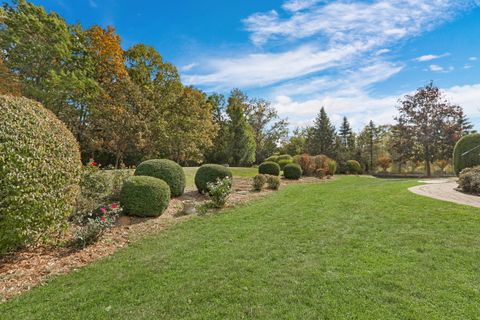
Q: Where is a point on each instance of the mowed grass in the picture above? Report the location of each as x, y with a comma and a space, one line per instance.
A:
236, 171
354, 248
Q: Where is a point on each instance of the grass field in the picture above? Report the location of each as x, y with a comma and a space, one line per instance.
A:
236, 171
354, 248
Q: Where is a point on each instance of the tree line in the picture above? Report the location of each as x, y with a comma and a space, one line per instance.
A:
124, 106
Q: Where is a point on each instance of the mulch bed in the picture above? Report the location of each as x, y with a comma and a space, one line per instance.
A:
33, 266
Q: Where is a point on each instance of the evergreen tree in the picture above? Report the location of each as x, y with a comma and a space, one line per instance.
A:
241, 147
321, 137
347, 137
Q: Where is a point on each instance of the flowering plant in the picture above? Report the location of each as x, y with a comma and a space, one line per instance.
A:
219, 191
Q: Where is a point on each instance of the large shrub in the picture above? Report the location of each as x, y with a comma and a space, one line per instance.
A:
210, 173
269, 167
470, 159
144, 196
469, 180
292, 171
282, 163
307, 163
332, 167
39, 172
284, 157
169, 171
272, 158
354, 167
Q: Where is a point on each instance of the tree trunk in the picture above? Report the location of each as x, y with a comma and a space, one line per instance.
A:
117, 159
427, 161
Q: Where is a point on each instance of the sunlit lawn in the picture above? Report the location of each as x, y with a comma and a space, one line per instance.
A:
354, 248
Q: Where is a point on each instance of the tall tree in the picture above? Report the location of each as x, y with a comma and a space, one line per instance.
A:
400, 146
321, 137
296, 143
190, 129
268, 129
240, 134
431, 122
218, 152
347, 137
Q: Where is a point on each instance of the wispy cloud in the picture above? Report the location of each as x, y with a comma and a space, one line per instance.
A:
430, 57
92, 4
189, 66
437, 68
473, 58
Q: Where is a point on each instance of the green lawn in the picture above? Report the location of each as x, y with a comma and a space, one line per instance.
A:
354, 248
236, 171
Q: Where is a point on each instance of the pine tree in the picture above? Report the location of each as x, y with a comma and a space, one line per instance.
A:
321, 137
347, 137
240, 134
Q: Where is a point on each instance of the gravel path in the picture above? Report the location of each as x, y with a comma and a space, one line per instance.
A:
445, 190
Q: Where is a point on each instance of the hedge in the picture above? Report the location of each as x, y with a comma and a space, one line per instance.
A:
269, 167
210, 173
166, 170
354, 167
470, 159
40, 172
144, 196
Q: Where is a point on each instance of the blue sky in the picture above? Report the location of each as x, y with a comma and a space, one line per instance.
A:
354, 57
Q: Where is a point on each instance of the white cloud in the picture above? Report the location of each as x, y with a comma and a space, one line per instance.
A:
189, 66
430, 57
361, 107
473, 58
435, 68
337, 35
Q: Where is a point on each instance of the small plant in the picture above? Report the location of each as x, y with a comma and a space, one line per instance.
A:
307, 164
469, 180
292, 171
273, 182
332, 168
219, 191
384, 162
258, 182
89, 231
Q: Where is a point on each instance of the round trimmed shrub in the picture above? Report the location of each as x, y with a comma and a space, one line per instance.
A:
354, 167
292, 171
284, 157
210, 173
269, 167
272, 159
470, 159
166, 170
144, 196
40, 172
284, 162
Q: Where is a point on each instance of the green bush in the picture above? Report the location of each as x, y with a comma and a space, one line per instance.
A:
219, 191
210, 173
284, 162
258, 182
144, 196
469, 180
272, 159
40, 172
332, 167
470, 159
292, 171
284, 157
271, 168
354, 167
169, 171
273, 182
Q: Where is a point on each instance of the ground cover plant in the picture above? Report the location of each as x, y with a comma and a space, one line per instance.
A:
296, 254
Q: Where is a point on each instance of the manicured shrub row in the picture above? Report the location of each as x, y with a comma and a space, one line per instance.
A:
469, 180
354, 167
166, 170
284, 162
144, 196
269, 167
39, 172
470, 159
210, 173
292, 171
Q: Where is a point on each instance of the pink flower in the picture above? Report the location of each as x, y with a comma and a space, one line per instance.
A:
103, 210
114, 206
102, 219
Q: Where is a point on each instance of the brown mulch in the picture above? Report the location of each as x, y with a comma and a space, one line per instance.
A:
32, 266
